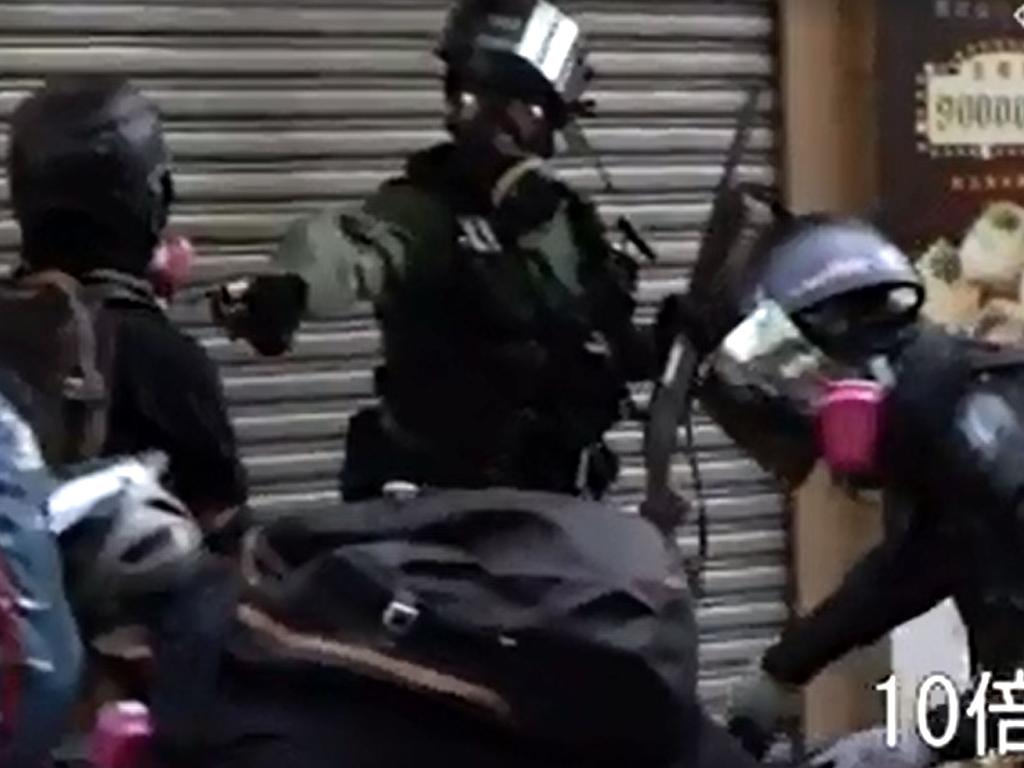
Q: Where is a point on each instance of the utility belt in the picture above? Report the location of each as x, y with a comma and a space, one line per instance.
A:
380, 449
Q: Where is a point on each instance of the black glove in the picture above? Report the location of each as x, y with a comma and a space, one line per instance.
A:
933, 373
267, 314
750, 736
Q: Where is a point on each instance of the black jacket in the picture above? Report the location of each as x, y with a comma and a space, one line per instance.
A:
166, 395
954, 529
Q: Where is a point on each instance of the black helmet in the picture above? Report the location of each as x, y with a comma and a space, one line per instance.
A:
87, 154
522, 49
851, 290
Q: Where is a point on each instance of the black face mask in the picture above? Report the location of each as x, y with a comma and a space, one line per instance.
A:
862, 325
477, 116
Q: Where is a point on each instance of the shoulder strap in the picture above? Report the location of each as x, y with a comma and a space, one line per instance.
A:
81, 378
104, 288
90, 387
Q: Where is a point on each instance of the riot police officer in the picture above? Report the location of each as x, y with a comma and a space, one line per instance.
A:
507, 319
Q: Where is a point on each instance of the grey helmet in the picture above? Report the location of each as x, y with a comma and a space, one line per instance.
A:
123, 534
526, 49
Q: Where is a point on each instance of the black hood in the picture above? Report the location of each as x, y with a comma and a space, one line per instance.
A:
90, 173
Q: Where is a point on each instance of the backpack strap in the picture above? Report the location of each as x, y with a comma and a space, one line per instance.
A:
107, 287
87, 384
103, 290
84, 387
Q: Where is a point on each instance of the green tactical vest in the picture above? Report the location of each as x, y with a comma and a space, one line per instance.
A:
501, 347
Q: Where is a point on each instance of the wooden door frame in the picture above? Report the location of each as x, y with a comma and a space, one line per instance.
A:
829, 164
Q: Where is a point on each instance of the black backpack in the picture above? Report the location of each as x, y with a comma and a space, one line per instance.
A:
564, 621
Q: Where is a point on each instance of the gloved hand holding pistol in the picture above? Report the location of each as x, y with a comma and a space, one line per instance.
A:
265, 311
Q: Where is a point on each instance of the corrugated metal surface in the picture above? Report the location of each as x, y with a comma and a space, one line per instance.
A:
276, 108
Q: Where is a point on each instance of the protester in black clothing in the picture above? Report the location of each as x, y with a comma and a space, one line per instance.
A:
91, 188
823, 302
183, 413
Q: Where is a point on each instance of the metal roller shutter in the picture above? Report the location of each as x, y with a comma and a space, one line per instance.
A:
274, 109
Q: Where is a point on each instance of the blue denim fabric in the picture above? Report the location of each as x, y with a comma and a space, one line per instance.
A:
51, 656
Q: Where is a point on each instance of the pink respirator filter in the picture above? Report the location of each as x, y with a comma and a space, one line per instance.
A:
850, 426
122, 737
171, 266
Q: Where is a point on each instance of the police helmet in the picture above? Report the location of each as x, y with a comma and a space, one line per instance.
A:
522, 49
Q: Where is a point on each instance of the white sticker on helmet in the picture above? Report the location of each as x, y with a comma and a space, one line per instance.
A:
542, 24
550, 43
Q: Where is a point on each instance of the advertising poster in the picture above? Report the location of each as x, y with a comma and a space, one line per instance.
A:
951, 153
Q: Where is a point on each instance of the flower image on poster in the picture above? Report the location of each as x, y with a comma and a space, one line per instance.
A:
976, 285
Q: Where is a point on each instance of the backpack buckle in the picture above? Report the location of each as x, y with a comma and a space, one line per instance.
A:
400, 491
400, 615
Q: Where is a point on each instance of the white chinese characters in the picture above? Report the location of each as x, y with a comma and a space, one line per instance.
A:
996, 708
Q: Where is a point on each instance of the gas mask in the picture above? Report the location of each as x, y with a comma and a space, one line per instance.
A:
480, 116
788, 403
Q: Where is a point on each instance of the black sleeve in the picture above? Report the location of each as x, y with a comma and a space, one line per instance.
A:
206, 468
900, 579
167, 396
